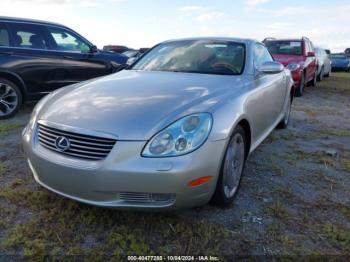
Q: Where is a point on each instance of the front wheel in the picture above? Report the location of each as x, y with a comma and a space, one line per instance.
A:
300, 89
232, 169
10, 99
285, 121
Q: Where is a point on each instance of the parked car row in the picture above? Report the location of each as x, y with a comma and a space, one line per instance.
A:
307, 63
37, 57
173, 130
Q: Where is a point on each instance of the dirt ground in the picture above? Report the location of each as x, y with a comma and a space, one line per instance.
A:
294, 198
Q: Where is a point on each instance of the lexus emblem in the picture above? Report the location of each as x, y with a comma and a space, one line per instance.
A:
62, 143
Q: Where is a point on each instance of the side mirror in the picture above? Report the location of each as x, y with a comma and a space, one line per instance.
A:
93, 49
271, 68
311, 54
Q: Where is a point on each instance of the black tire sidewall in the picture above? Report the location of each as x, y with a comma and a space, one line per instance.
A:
19, 96
314, 80
320, 78
300, 90
283, 124
219, 198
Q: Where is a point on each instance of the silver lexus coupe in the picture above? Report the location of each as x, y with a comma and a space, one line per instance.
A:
171, 131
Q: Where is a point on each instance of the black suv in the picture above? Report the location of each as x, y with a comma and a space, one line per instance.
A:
37, 57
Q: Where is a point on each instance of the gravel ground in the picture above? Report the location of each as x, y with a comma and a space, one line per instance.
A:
294, 198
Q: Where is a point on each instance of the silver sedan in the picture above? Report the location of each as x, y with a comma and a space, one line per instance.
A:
173, 130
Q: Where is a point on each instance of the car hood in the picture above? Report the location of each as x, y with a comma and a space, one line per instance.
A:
288, 59
134, 105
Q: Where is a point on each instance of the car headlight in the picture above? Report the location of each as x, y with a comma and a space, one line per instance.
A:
293, 67
182, 137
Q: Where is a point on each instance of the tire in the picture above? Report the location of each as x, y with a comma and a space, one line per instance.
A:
10, 99
285, 121
232, 168
320, 76
313, 82
300, 90
329, 73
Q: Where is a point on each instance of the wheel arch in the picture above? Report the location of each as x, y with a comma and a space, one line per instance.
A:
17, 80
244, 123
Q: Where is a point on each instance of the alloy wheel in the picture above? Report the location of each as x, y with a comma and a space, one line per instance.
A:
233, 166
8, 99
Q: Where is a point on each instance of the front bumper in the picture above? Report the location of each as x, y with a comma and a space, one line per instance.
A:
125, 173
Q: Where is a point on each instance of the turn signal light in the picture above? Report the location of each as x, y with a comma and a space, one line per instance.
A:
199, 181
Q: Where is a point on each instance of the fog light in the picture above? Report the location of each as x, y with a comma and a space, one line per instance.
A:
162, 197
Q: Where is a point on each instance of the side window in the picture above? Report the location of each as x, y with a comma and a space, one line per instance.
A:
312, 49
67, 41
307, 47
4, 36
261, 55
28, 36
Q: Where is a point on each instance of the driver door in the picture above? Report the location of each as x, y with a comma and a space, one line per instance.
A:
268, 94
79, 62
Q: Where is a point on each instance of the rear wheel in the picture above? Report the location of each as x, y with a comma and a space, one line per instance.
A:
300, 89
313, 82
329, 73
320, 76
232, 169
10, 99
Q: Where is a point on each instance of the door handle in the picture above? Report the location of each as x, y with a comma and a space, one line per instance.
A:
68, 57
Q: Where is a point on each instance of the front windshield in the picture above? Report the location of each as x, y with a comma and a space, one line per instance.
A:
195, 56
284, 47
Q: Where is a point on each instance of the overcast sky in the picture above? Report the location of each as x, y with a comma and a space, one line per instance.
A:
143, 23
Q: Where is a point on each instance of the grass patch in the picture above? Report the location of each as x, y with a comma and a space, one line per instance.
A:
317, 157
346, 164
277, 209
2, 169
335, 132
290, 136
4, 128
310, 112
284, 192
338, 235
23, 196
338, 84
62, 226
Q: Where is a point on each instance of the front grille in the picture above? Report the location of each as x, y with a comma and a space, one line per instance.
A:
135, 197
81, 146
147, 198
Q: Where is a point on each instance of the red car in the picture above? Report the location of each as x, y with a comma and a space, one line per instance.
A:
298, 55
